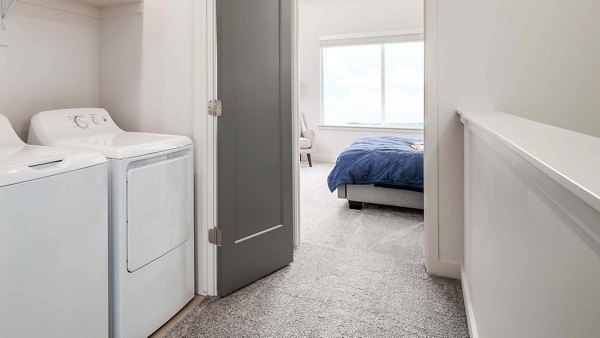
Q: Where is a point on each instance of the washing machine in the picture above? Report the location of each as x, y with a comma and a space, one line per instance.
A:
151, 214
53, 240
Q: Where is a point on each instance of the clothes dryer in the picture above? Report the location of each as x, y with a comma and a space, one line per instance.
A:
151, 214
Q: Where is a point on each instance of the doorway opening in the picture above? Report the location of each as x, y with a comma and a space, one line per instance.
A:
360, 105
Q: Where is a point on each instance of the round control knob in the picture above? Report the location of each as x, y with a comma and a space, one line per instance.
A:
96, 120
81, 122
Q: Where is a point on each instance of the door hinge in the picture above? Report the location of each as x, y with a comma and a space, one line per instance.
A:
215, 236
215, 108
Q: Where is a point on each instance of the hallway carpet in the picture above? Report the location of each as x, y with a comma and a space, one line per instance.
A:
356, 274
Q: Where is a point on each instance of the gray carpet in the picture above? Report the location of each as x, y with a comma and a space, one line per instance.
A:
356, 274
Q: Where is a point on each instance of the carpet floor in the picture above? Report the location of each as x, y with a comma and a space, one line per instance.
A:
356, 274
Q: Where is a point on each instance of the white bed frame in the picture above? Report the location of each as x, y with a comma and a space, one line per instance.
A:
359, 194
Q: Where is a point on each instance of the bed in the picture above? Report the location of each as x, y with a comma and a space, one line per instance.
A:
384, 170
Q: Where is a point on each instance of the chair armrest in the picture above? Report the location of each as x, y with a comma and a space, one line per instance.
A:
311, 134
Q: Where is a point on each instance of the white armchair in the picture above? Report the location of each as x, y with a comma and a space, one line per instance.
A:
308, 140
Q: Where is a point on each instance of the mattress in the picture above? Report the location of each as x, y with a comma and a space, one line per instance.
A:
388, 161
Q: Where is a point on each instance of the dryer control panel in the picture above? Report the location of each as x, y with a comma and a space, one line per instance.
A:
85, 121
94, 129
72, 123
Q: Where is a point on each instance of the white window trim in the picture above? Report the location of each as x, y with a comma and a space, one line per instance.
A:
376, 128
412, 35
372, 38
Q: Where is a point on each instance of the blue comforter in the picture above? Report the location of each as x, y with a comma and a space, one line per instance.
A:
384, 161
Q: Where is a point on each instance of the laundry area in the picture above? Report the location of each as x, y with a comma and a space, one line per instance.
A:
97, 187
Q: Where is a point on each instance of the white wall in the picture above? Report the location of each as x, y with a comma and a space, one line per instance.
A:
318, 18
146, 68
52, 62
537, 59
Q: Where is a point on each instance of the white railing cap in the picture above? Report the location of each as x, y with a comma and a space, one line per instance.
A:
570, 158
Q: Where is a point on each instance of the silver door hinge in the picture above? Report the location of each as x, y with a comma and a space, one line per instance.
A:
215, 236
215, 108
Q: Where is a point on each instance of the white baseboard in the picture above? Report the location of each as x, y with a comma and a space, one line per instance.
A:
324, 158
444, 269
468, 306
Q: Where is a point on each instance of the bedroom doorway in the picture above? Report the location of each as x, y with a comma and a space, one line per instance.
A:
359, 95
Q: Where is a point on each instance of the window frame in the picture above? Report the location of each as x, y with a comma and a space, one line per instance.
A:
376, 38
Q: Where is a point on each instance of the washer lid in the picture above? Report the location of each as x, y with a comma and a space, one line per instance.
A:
8, 137
20, 162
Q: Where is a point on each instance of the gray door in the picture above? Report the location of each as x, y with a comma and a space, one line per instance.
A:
254, 140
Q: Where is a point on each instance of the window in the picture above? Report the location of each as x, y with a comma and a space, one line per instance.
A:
375, 82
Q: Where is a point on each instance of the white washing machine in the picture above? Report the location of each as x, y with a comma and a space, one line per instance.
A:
53, 240
151, 214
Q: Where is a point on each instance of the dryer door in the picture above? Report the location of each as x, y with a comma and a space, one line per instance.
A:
160, 212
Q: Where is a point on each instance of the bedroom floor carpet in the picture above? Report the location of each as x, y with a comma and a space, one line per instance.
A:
356, 274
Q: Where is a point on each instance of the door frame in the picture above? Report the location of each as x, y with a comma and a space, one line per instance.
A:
205, 137
433, 264
205, 133
430, 211
295, 125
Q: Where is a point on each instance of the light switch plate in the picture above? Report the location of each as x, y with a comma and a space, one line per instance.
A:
3, 37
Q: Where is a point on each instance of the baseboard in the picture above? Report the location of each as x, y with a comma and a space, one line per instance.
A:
444, 269
468, 306
324, 158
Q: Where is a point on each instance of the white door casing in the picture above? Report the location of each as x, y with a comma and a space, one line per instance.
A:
205, 128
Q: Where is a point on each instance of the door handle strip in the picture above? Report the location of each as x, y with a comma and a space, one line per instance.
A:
258, 234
